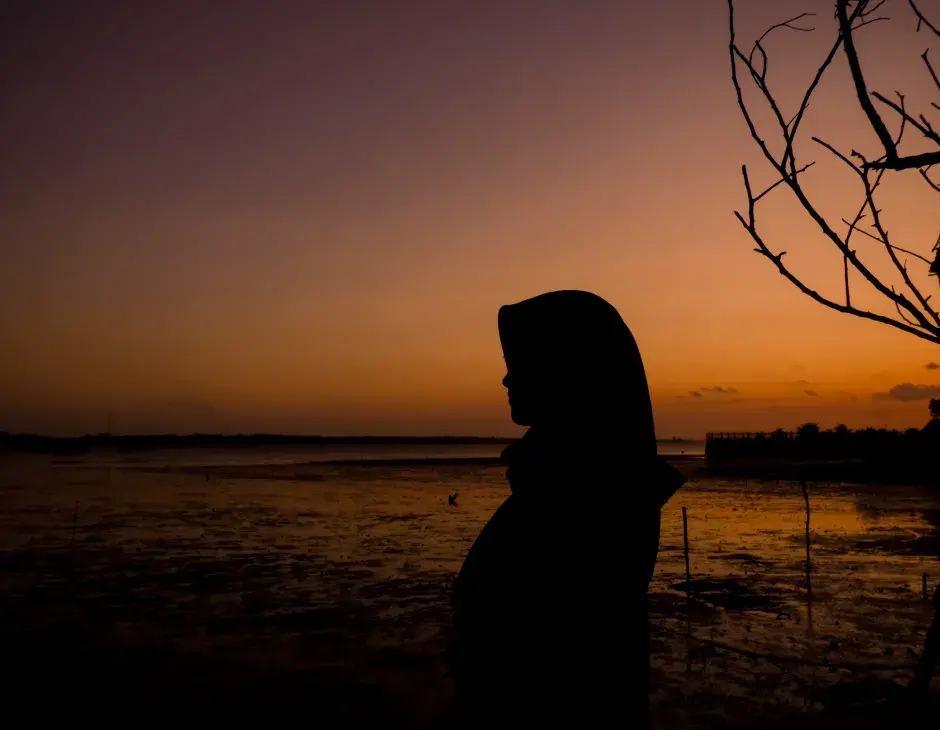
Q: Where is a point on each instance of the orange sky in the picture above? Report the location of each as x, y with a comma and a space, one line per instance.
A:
303, 217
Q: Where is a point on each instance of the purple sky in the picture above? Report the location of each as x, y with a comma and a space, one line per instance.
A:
301, 215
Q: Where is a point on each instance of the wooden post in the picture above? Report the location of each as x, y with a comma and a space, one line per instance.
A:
920, 685
688, 591
809, 564
75, 524
685, 540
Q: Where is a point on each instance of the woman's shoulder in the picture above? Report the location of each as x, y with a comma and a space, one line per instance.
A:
499, 542
503, 529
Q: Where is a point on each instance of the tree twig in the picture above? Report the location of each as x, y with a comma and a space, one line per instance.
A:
933, 74
921, 19
923, 323
791, 182
861, 90
921, 127
930, 182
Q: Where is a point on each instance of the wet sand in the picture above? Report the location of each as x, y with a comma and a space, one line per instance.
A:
328, 584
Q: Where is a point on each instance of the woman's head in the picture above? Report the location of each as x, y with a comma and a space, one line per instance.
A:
572, 364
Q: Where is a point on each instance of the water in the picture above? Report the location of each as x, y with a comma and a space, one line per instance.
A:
235, 567
300, 455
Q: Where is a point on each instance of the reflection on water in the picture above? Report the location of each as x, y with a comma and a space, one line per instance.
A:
346, 570
307, 454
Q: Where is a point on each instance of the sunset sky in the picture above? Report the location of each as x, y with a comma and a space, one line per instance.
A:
302, 216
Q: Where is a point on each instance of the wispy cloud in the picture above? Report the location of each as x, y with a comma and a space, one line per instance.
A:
695, 394
718, 389
932, 366
811, 393
906, 392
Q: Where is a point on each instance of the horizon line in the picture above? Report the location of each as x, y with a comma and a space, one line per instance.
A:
276, 435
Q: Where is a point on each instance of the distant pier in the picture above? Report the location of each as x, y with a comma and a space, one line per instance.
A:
839, 455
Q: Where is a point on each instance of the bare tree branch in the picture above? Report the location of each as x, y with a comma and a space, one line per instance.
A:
845, 269
869, 202
785, 24
933, 74
911, 162
921, 20
782, 180
797, 190
935, 266
804, 104
922, 125
902, 269
892, 160
904, 316
911, 253
864, 314
926, 176
898, 299
866, 11
848, 45
854, 226
914, 317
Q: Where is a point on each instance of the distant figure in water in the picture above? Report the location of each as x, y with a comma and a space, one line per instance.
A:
550, 607
452, 499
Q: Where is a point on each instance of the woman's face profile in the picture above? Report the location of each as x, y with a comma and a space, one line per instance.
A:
527, 394
541, 395
519, 400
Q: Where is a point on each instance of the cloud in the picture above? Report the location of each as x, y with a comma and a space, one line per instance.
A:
718, 389
853, 397
695, 394
803, 382
906, 392
932, 366
811, 393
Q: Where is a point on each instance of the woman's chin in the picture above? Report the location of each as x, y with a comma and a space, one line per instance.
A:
520, 417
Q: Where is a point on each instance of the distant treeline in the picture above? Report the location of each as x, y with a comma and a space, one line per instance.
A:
911, 452
35, 443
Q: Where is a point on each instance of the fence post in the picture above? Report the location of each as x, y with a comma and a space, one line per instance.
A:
685, 541
809, 564
688, 591
920, 685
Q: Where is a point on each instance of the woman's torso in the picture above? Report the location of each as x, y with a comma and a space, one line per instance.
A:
550, 611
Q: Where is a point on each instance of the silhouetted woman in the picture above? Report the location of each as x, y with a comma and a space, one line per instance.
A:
550, 608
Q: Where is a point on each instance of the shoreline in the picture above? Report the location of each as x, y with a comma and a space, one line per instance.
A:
92, 443
301, 471
854, 471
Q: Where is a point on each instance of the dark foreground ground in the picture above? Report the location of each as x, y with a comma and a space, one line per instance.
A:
331, 590
376, 660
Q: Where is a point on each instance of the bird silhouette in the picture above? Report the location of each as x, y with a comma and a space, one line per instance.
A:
452, 499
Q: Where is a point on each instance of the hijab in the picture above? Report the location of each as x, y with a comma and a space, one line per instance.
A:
576, 378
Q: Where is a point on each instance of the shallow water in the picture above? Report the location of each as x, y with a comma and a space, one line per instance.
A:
230, 573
